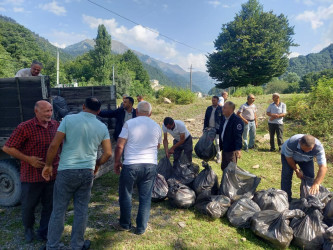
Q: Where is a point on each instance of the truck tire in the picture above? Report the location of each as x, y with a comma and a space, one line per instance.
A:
10, 184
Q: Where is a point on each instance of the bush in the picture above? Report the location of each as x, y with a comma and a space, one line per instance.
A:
313, 115
249, 89
276, 85
176, 95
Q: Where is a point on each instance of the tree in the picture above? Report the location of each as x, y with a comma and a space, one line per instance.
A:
102, 56
252, 49
291, 77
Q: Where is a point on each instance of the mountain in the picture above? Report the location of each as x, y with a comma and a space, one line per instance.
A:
313, 62
167, 74
19, 47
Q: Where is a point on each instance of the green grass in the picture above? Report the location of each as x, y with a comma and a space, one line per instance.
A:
201, 231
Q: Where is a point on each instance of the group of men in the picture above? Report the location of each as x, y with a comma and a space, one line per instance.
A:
233, 131
58, 162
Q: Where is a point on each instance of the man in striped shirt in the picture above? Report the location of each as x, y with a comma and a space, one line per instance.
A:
300, 150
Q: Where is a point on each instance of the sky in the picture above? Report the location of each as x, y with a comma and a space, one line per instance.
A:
175, 31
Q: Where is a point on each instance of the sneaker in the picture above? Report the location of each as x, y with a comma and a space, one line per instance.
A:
41, 237
272, 150
118, 227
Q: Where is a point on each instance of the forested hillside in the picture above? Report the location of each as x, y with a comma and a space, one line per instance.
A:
312, 62
19, 47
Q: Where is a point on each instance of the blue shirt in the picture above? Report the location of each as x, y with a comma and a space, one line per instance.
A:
84, 133
292, 148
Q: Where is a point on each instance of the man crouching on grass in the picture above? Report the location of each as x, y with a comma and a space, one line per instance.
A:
140, 139
81, 135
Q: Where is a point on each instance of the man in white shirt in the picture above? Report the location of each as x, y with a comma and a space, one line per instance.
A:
248, 113
34, 70
223, 98
182, 139
140, 139
276, 111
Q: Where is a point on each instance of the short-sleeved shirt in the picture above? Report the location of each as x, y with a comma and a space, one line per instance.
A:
84, 133
143, 136
32, 139
280, 109
292, 148
25, 73
221, 101
180, 128
248, 111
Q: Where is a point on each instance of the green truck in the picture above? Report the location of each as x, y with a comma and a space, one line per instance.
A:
17, 99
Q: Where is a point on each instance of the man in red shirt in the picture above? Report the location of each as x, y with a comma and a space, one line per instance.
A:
29, 143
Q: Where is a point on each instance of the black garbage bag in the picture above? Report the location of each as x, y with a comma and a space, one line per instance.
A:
324, 195
237, 182
309, 230
185, 172
273, 226
272, 199
328, 239
206, 180
180, 195
213, 205
328, 213
164, 167
307, 204
241, 212
60, 108
205, 148
160, 189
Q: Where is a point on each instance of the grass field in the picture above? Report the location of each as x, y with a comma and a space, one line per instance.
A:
165, 230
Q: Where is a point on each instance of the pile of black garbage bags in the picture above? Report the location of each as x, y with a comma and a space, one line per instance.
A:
306, 222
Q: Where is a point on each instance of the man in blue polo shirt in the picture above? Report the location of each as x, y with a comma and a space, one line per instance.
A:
300, 150
81, 135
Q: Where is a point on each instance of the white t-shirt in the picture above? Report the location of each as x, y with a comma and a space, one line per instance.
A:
143, 136
221, 101
180, 128
25, 73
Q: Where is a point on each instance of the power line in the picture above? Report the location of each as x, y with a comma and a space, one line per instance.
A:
147, 28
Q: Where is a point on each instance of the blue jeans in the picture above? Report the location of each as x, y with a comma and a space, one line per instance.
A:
249, 130
144, 176
76, 183
307, 168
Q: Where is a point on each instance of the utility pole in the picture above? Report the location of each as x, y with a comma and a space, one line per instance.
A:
191, 77
57, 66
112, 74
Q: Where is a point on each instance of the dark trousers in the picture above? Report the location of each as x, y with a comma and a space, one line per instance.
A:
31, 194
228, 157
278, 130
307, 168
187, 147
144, 176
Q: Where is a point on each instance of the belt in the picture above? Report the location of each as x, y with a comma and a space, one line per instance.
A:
250, 120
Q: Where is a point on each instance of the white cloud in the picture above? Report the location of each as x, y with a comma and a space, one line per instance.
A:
18, 9
63, 39
138, 36
62, 46
198, 61
148, 42
326, 40
53, 7
293, 54
316, 18
214, 3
